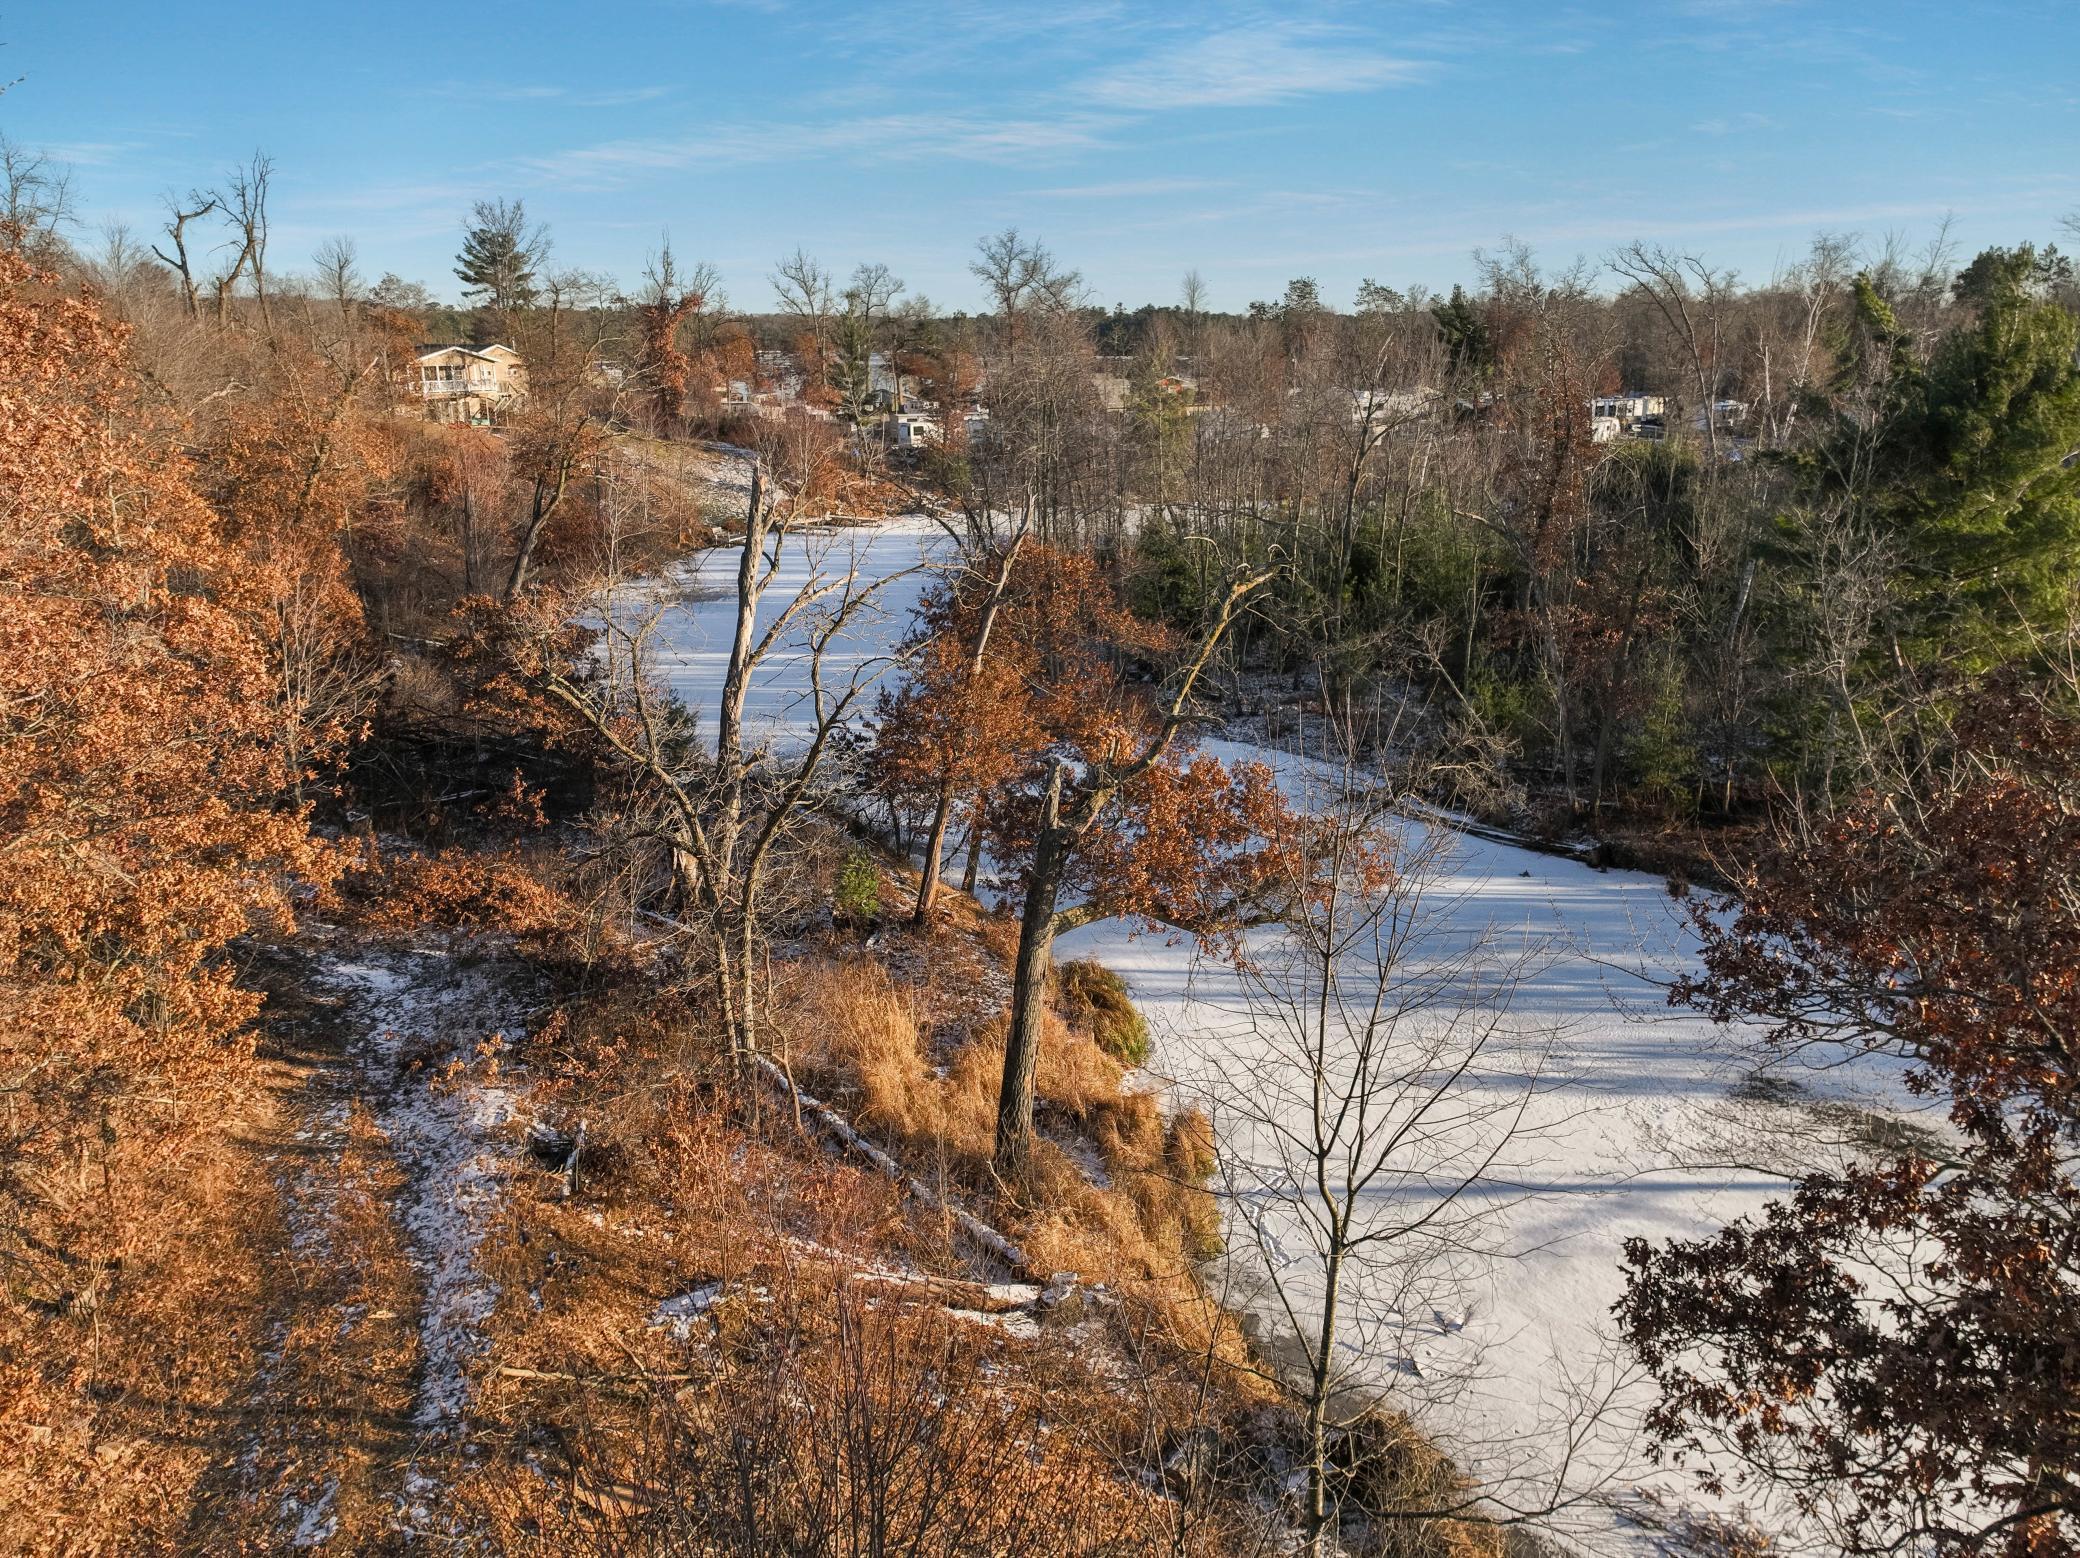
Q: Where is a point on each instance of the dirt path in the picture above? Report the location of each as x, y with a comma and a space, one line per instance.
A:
390, 1153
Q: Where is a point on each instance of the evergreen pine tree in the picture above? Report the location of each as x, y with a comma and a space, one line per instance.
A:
500, 255
1465, 332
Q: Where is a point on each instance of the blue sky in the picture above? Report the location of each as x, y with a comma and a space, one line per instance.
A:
1336, 140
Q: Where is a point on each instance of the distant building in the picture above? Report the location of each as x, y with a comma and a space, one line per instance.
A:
468, 383
1627, 414
1378, 406
912, 430
1630, 407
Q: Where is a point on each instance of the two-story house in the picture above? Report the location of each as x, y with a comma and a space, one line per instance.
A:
468, 383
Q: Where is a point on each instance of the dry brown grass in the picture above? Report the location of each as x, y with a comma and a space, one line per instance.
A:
861, 1037
858, 1039
1140, 1225
798, 1399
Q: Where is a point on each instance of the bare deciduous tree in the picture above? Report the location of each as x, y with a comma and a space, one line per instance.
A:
721, 818
1191, 302
804, 291
179, 213
35, 198
339, 271
1372, 1115
1022, 278
1690, 297
244, 203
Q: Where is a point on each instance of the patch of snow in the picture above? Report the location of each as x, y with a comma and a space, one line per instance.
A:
445, 1011
421, 1494
316, 1521
1012, 1322
677, 1314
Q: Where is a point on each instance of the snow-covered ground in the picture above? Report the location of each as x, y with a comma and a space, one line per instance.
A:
443, 1009
1643, 1121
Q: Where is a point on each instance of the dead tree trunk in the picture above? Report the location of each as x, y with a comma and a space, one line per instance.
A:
178, 262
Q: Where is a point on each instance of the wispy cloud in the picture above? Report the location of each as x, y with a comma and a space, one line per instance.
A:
1749, 38
91, 154
1178, 66
1739, 9
1249, 66
882, 138
378, 197
617, 97
530, 92
1126, 189
1735, 124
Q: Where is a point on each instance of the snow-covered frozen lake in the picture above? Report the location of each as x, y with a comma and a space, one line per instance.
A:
1643, 1121
891, 562
1628, 1119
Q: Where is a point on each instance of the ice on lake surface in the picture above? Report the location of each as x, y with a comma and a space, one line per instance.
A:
692, 643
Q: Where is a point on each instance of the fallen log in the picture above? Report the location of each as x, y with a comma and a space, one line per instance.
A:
840, 1129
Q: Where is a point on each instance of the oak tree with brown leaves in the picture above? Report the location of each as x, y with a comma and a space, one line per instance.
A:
667, 303
1092, 793
142, 819
1898, 1342
957, 727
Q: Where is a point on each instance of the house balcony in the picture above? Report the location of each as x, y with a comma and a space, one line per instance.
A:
444, 389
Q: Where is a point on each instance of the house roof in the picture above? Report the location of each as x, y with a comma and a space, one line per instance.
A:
437, 349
